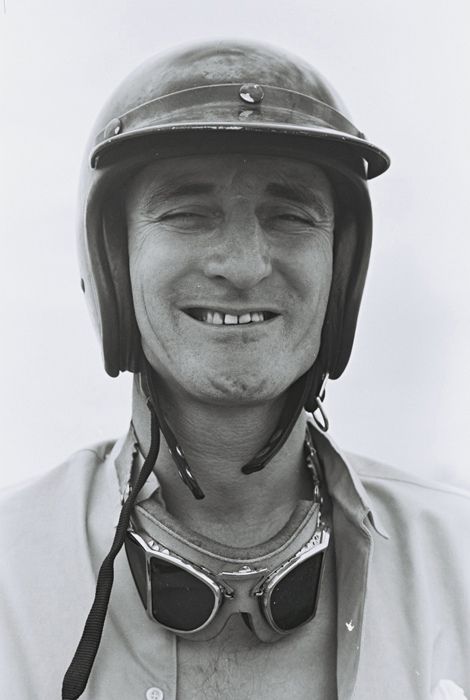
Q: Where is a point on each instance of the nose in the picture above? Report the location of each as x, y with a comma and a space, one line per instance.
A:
242, 254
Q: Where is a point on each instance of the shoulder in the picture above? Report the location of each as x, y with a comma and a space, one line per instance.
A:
403, 497
53, 530
379, 476
53, 523
34, 503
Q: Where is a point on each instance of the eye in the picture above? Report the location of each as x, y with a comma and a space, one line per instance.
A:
295, 218
183, 215
288, 218
289, 222
189, 220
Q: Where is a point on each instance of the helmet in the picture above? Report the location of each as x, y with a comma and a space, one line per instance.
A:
218, 97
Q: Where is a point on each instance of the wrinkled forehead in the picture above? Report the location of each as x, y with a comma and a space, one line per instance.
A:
233, 174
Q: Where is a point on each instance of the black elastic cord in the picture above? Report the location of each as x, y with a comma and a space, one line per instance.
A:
177, 454
78, 673
296, 400
297, 397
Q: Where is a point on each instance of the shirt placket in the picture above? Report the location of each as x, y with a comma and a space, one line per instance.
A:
353, 549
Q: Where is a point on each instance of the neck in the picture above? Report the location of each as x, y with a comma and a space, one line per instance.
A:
217, 442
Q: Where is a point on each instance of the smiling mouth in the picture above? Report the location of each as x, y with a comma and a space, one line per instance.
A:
217, 318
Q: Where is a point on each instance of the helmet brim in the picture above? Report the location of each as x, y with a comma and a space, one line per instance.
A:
374, 160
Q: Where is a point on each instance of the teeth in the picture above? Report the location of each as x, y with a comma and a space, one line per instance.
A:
216, 318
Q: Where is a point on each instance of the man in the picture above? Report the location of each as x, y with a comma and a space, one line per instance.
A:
224, 244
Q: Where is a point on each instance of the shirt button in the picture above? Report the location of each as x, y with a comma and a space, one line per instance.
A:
154, 694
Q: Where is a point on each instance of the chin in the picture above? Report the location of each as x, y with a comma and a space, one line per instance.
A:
241, 390
227, 384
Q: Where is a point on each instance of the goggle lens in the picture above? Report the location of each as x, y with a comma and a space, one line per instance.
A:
179, 599
293, 599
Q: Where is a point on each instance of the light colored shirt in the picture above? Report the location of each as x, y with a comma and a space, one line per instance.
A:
402, 567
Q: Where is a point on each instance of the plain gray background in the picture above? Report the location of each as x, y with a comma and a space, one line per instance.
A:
402, 69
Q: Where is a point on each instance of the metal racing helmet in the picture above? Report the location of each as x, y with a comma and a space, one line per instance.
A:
220, 97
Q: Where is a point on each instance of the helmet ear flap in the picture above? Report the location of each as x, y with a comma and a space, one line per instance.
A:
122, 345
351, 252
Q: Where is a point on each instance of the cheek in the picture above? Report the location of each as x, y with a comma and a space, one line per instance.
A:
313, 274
147, 281
314, 279
155, 266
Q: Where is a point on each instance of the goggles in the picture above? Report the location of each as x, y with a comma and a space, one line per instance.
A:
186, 598
191, 585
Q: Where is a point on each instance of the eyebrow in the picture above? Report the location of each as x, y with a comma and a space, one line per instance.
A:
293, 192
191, 188
170, 190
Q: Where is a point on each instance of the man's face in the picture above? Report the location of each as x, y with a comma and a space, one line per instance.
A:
231, 266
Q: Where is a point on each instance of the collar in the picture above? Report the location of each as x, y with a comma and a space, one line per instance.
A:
344, 484
126, 456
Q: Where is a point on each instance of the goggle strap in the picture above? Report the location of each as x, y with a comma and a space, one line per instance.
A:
78, 673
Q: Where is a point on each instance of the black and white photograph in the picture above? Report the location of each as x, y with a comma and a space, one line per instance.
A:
235, 406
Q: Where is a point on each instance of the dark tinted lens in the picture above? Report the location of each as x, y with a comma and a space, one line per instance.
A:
179, 599
293, 600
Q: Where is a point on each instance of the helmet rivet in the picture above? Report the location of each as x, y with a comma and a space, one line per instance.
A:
251, 93
113, 128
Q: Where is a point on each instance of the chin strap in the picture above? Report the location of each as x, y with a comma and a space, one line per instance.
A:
184, 470
323, 423
297, 397
78, 673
